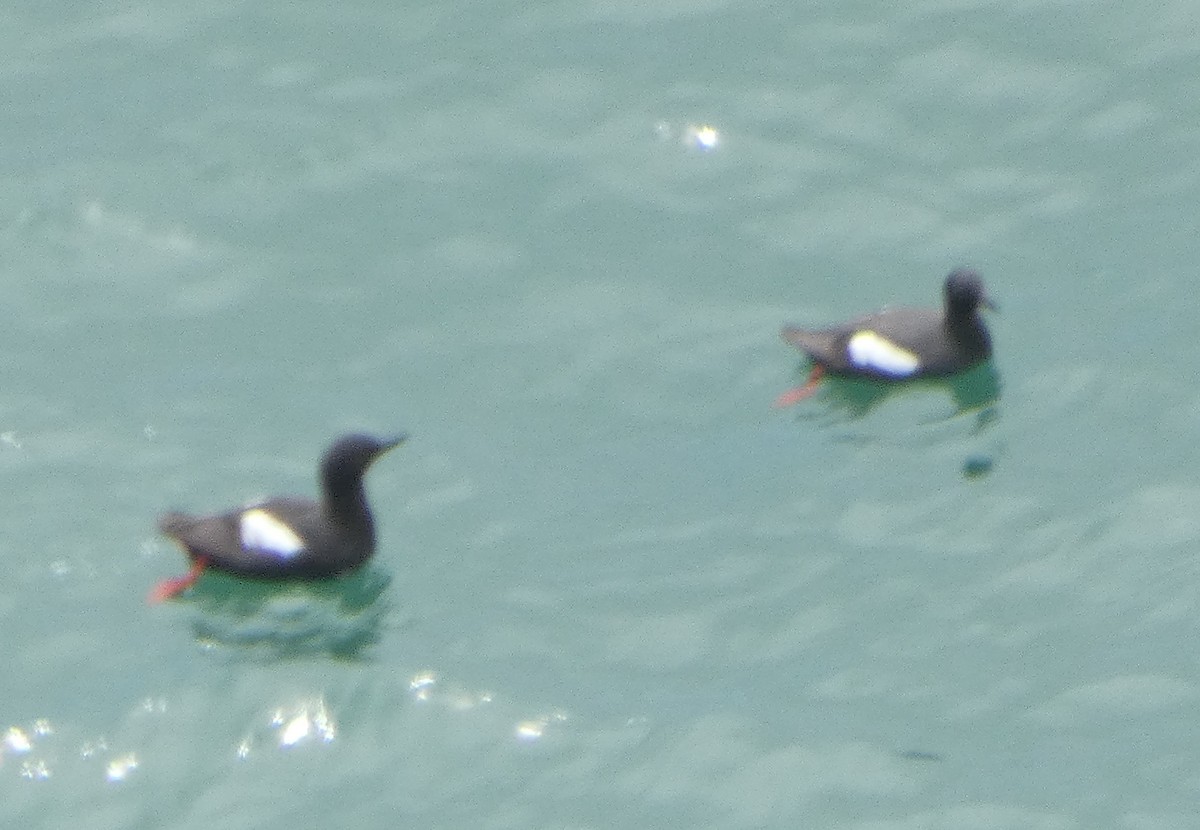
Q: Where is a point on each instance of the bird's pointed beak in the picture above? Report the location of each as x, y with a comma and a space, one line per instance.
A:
989, 304
394, 441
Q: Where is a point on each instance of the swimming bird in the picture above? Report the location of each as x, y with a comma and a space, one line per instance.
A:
898, 344
287, 537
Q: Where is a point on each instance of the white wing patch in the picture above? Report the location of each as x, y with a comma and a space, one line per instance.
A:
870, 351
262, 531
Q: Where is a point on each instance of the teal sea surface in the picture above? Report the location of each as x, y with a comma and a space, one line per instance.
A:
555, 243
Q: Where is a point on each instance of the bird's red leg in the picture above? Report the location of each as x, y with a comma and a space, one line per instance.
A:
801, 392
169, 588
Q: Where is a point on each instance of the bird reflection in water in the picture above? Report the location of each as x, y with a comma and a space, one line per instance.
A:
976, 390
341, 617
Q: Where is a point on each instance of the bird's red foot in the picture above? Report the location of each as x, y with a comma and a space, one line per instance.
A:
798, 394
169, 588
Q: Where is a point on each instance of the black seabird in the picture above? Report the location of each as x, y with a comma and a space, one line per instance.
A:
900, 343
287, 537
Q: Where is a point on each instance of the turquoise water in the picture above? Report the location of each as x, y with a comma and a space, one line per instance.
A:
614, 587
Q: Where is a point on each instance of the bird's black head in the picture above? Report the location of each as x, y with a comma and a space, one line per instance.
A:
348, 458
965, 293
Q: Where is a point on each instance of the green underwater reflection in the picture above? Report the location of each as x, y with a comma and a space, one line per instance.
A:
976, 390
340, 618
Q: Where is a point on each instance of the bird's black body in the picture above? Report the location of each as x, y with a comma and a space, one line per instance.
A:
291, 537
905, 343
